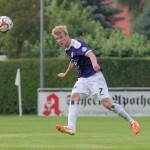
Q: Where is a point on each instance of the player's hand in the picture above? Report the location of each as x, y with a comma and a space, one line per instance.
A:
61, 75
96, 68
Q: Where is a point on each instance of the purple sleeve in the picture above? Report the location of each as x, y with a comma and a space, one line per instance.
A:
83, 48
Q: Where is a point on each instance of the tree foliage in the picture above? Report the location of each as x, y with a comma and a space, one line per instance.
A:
25, 33
102, 12
102, 41
78, 20
143, 21
24, 37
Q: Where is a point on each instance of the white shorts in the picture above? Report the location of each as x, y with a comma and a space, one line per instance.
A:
94, 85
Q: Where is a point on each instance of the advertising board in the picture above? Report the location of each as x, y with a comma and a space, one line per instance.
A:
55, 103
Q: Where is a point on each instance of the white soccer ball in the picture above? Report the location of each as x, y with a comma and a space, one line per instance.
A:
6, 24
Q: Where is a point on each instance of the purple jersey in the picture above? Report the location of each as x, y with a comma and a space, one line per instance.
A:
77, 53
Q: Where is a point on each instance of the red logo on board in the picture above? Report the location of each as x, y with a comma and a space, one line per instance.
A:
52, 104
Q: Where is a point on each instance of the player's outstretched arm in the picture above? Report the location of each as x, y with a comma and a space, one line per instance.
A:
93, 59
68, 71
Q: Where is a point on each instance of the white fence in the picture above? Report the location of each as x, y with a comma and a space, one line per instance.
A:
55, 101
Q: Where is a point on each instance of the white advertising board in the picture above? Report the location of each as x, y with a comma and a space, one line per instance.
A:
51, 103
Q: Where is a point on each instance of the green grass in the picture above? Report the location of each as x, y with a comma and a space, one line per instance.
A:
94, 133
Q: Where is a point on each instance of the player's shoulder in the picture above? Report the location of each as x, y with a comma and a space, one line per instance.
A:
76, 43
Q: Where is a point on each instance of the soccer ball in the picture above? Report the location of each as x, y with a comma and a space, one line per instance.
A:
6, 24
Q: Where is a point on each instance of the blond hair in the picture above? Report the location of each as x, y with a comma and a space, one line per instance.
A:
59, 29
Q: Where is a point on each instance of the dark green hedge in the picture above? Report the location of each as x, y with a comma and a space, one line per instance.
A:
118, 73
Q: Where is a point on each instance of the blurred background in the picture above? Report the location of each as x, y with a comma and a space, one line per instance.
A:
122, 25
118, 31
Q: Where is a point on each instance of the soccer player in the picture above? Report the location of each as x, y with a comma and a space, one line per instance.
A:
90, 80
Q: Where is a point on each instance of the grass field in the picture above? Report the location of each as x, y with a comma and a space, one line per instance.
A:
94, 133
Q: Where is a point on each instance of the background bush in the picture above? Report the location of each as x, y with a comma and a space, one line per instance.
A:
118, 73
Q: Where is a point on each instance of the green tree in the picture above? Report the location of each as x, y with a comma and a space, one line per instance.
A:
143, 21
25, 16
24, 37
102, 12
79, 22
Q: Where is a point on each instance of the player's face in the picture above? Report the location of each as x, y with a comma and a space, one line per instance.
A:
63, 40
